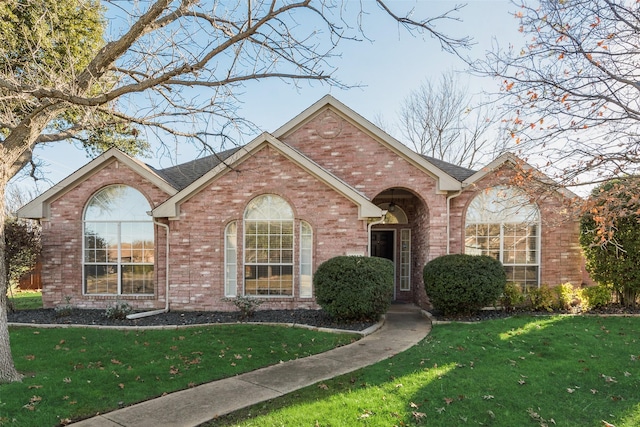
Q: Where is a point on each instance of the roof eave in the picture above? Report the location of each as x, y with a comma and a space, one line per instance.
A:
171, 208
38, 208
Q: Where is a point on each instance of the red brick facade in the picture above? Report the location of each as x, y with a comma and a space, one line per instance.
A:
356, 156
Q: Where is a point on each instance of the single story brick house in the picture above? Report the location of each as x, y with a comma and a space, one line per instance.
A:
258, 220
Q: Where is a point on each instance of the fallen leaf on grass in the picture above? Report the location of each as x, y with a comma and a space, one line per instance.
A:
323, 386
608, 379
365, 415
418, 415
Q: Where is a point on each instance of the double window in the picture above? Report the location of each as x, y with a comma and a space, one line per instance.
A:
269, 254
501, 222
118, 244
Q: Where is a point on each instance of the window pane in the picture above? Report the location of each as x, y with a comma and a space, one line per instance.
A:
101, 279
117, 203
137, 279
500, 204
306, 260
231, 260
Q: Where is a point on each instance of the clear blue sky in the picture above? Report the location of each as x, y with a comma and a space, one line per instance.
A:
388, 68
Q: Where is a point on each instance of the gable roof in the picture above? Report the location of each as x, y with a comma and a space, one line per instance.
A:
445, 181
171, 207
38, 208
510, 158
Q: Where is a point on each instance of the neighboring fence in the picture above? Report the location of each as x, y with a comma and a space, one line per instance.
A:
33, 279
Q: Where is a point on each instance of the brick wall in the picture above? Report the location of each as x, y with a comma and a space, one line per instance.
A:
356, 157
197, 238
62, 242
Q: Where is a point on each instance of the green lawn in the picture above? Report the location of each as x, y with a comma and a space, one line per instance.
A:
26, 300
77, 372
565, 371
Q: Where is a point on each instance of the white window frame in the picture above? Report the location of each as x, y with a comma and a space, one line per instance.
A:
306, 265
268, 264
488, 219
231, 259
405, 259
118, 264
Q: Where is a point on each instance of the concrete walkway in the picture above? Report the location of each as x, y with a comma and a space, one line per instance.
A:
405, 325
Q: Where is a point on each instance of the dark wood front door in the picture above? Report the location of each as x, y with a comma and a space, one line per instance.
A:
382, 244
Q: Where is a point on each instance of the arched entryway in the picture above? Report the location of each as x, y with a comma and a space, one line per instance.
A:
403, 237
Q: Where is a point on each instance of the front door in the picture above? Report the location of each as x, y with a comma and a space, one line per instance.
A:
382, 244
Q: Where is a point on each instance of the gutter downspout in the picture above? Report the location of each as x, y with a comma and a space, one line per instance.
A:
456, 194
369, 226
166, 280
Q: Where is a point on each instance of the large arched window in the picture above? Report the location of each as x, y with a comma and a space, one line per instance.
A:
268, 247
118, 243
503, 223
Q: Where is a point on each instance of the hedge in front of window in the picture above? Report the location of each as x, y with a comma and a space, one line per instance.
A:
354, 287
463, 284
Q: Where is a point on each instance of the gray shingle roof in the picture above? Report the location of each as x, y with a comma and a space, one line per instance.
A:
180, 176
458, 172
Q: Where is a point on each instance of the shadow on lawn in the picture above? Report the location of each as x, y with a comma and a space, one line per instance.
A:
572, 371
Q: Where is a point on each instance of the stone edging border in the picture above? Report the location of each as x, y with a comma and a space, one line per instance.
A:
364, 333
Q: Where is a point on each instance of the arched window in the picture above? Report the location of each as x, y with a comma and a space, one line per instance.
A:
118, 244
395, 214
503, 223
268, 247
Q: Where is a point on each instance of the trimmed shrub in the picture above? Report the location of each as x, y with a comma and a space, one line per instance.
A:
354, 287
565, 295
463, 284
512, 296
542, 298
246, 305
598, 296
118, 311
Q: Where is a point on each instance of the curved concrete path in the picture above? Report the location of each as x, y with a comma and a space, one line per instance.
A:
404, 326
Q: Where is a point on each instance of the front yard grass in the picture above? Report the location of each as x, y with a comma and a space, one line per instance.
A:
25, 300
523, 371
73, 373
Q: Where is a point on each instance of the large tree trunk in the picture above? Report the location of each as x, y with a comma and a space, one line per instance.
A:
8, 372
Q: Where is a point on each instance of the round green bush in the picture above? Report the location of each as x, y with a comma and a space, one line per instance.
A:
354, 287
463, 284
